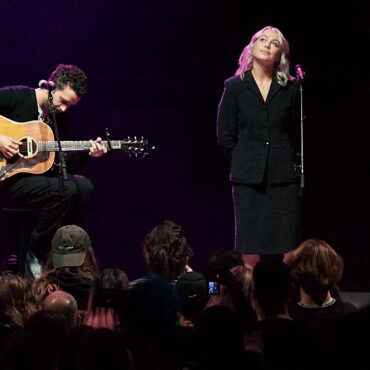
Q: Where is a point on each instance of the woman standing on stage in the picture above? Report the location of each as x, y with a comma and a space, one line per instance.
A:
258, 129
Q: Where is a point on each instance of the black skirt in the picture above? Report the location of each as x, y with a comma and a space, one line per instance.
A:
267, 218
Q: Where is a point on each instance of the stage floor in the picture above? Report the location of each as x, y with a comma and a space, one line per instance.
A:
359, 299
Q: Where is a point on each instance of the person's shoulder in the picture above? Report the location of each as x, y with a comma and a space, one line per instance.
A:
233, 81
17, 88
9, 93
292, 83
345, 306
147, 280
192, 275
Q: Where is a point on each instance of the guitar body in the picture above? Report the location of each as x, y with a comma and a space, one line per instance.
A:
38, 147
31, 160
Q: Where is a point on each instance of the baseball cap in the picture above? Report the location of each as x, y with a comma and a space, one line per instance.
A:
69, 245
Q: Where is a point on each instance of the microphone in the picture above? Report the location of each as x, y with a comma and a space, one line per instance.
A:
48, 85
299, 72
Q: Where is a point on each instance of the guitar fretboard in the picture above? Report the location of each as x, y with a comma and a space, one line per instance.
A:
79, 145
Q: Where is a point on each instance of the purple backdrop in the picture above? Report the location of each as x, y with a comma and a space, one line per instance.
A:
156, 68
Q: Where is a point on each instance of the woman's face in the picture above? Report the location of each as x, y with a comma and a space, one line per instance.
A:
267, 48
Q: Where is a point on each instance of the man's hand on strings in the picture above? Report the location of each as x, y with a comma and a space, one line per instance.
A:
9, 147
97, 149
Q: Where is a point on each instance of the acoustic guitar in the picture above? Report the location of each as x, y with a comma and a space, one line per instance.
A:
38, 147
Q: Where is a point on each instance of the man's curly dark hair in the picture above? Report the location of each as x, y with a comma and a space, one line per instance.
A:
69, 75
166, 250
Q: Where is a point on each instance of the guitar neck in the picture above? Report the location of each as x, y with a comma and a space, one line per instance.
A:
79, 145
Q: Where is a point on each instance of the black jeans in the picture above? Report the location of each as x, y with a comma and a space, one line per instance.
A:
54, 208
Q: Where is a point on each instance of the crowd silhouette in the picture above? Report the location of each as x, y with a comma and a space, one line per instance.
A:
276, 315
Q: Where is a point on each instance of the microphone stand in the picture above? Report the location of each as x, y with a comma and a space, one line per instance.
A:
62, 163
301, 180
300, 78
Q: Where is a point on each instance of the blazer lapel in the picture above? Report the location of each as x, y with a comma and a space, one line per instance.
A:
274, 88
251, 84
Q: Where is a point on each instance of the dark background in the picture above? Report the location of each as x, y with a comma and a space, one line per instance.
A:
156, 68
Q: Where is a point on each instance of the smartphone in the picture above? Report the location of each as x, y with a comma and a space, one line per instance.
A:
213, 288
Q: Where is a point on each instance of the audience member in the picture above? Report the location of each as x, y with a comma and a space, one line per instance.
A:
28, 351
104, 349
283, 341
352, 341
62, 303
219, 338
52, 327
71, 265
167, 254
316, 269
108, 301
71, 350
166, 250
154, 299
228, 258
17, 304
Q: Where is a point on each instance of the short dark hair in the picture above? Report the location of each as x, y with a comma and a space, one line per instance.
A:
69, 75
167, 250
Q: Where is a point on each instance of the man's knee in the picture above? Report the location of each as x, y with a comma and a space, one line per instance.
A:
84, 185
79, 188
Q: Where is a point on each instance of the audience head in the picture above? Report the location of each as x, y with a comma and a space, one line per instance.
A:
52, 325
166, 250
114, 278
271, 287
17, 299
103, 349
69, 356
69, 246
316, 267
63, 303
107, 300
29, 351
71, 249
70, 266
234, 282
234, 292
228, 258
192, 292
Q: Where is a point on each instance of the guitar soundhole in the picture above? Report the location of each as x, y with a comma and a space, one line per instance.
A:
28, 148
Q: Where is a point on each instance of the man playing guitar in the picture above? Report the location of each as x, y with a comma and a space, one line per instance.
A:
42, 192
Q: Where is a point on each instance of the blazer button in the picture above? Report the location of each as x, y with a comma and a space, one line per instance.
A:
267, 143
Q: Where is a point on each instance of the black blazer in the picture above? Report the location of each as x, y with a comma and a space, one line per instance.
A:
259, 136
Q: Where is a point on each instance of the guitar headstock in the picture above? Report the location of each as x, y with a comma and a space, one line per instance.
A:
138, 147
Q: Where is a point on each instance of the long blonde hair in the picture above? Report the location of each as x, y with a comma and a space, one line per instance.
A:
282, 67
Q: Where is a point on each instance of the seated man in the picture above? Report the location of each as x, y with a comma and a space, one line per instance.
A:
56, 201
